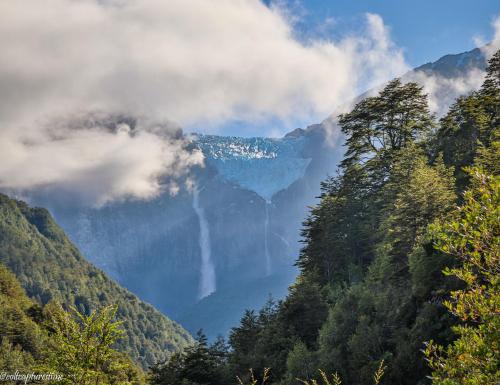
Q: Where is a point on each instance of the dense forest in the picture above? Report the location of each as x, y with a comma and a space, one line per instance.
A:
398, 284
51, 269
52, 342
399, 273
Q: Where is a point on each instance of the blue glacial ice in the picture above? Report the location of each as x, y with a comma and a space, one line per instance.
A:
262, 165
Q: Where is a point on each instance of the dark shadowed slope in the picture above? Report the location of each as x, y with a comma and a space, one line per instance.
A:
50, 267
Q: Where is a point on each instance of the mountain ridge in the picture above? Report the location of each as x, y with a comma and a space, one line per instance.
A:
253, 211
50, 267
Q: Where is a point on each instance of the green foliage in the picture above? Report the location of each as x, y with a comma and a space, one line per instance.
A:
199, 364
401, 190
379, 126
371, 286
75, 345
80, 346
471, 124
21, 338
50, 268
342, 229
415, 194
301, 362
265, 339
472, 235
242, 339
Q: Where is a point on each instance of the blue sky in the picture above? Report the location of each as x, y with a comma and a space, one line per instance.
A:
220, 66
425, 29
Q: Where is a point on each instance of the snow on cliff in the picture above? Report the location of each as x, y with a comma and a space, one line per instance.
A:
262, 165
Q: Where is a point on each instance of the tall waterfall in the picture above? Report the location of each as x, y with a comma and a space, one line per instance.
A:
207, 280
266, 239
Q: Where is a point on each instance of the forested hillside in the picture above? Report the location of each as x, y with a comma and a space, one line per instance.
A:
63, 347
254, 193
50, 268
371, 286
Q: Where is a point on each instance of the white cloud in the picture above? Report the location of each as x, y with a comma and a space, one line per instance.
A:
188, 61
95, 161
192, 61
443, 91
489, 48
441, 94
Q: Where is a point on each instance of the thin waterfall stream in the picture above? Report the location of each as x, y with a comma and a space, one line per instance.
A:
266, 239
207, 279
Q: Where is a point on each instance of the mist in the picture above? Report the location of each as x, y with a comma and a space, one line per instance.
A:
181, 63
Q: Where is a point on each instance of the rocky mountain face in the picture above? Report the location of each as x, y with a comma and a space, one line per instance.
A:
223, 244
455, 66
230, 239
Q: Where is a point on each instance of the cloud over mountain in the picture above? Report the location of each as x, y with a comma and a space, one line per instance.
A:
95, 160
188, 61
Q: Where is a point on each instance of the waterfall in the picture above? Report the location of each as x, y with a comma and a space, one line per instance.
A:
207, 279
266, 240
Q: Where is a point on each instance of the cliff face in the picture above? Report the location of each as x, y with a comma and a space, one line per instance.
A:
237, 224
232, 238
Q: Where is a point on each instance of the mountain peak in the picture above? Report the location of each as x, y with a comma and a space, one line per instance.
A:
454, 65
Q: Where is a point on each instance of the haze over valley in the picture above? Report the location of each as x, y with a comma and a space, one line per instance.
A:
192, 189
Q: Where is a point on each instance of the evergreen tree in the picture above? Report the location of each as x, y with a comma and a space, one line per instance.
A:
341, 231
243, 339
50, 268
21, 338
473, 236
471, 124
199, 364
378, 127
301, 363
370, 287
416, 193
